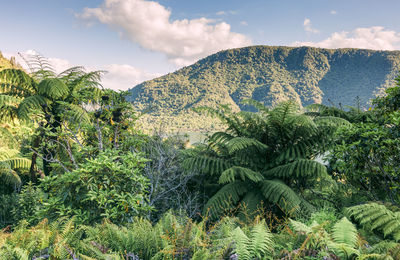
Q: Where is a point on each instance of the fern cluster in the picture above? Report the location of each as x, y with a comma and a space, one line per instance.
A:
173, 237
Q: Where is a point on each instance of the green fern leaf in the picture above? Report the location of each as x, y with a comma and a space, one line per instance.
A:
261, 241
237, 172
226, 198
302, 168
344, 232
242, 243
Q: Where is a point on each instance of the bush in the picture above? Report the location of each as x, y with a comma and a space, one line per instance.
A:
110, 186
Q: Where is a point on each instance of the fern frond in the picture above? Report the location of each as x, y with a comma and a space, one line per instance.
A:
240, 143
220, 137
279, 193
331, 121
18, 163
234, 173
299, 168
74, 112
53, 88
17, 77
261, 241
206, 164
299, 150
30, 104
6, 100
226, 198
377, 216
242, 243
344, 232
251, 205
300, 227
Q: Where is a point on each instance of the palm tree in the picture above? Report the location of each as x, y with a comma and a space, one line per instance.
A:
43, 96
263, 159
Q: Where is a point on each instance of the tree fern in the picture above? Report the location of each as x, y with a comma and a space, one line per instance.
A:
32, 104
272, 151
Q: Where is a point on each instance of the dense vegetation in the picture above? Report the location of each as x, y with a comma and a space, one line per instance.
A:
266, 74
80, 180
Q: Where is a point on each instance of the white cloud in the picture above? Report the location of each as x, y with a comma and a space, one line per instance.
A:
244, 23
117, 76
333, 12
123, 76
221, 13
149, 24
308, 27
376, 38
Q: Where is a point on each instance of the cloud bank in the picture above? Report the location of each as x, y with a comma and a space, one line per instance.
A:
375, 38
149, 24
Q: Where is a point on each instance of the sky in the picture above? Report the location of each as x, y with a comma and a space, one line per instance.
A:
137, 40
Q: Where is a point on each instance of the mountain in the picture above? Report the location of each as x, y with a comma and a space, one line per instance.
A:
270, 75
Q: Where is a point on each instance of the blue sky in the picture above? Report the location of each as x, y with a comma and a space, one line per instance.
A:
137, 40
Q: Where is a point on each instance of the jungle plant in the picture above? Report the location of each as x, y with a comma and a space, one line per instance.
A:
367, 155
111, 186
263, 159
342, 242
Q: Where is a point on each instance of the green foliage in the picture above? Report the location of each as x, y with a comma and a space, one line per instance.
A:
111, 186
29, 202
256, 246
10, 164
366, 157
344, 232
270, 153
267, 74
374, 216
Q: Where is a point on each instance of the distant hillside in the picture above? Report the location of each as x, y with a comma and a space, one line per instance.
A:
268, 74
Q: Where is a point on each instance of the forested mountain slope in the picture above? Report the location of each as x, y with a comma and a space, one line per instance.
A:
270, 74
